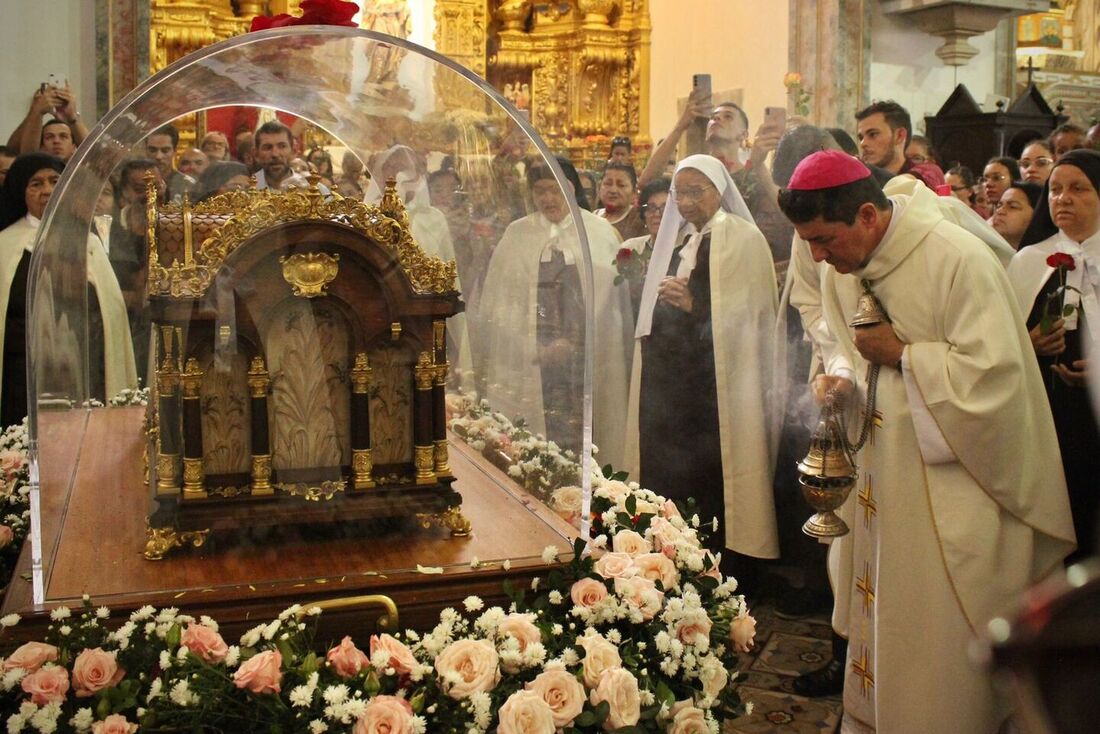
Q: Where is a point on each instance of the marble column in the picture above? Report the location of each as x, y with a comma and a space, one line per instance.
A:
830, 46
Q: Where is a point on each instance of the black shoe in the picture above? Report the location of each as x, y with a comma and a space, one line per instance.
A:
827, 681
799, 603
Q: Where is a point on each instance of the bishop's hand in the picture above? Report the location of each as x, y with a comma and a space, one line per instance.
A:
879, 344
832, 388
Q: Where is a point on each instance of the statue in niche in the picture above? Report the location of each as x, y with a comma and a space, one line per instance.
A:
392, 18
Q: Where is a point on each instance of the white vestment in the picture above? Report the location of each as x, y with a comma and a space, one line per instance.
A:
743, 305
508, 326
960, 503
118, 349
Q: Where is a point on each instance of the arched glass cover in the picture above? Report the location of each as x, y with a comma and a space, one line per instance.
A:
519, 385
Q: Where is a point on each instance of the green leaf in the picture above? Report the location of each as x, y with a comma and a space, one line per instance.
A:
172, 638
585, 719
665, 694
1068, 309
620, 476
601, 712
632, 505
309, 665
619, 279
578, 547
285, 650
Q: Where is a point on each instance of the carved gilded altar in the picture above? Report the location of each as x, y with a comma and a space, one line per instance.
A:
581, 67
300, 363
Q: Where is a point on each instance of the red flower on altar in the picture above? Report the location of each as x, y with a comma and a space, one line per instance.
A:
314, 12
1059, 260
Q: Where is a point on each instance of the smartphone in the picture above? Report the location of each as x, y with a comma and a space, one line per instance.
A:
776, 117
700, 83
54, 81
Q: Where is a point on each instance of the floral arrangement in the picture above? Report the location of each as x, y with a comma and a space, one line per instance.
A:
636, 632
539, 465
314, 12
15, 515
640, 636
130, 396
792, 80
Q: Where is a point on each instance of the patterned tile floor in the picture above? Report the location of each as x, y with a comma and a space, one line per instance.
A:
784, 650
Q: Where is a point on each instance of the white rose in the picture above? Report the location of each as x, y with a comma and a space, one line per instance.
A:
562, 692
687, 719
620, 689
713, 676
468, 666
658, 567
642, 593
630, 542
526, 713
599, 656
615, 566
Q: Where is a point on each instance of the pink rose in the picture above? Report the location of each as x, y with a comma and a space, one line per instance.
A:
47, 684
588, 592
687, 719
566, 501
620, 689
204, 643
658, 567
599, 657
694, 628
7, 535
385, 715
347, 659
630, 543
114, 724
664, 535
261, 673
562, 692
11, 462
94, 670
31, 656
401, 657
521, 627
669, 510
526, 713
743, 633
468, 666
615, 566
642, 593
615, 490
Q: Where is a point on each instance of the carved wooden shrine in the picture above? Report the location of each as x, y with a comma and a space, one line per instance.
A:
300, 349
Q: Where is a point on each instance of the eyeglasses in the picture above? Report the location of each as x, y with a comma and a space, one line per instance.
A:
960, 188
994, 178
1037, 163
694, 193
653, 209
918, 159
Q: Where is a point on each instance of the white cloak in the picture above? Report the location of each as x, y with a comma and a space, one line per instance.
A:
743, 312
942, 540
507, 329
118, 351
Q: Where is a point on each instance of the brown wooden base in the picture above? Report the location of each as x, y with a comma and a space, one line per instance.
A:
94, 509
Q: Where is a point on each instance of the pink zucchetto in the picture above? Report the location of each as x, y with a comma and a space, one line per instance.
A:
827, 169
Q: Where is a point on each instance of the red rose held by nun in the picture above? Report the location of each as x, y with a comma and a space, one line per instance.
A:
1061, 260
623, 256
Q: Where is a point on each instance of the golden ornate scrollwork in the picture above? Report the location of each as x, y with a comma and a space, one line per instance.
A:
193, 479
425, 464
441, 458
309, 273
362, 464
361, 374
261, 475
424, 371
161, 541
259, 380
191, 379
166, 474
312, 492
452, 519
233, 218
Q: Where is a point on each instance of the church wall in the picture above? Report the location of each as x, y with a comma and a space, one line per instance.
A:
46, 37
905, 68
742, 44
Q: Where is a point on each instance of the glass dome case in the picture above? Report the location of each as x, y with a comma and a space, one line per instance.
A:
283, 334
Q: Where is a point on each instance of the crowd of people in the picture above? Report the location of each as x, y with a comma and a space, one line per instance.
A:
722, 292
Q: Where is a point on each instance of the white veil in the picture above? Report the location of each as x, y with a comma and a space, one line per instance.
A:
673, 224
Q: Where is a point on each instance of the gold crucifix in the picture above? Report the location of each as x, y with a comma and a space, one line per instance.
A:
862, 668
866, 587
867, 501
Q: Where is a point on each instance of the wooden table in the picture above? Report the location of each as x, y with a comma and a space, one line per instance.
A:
94, 507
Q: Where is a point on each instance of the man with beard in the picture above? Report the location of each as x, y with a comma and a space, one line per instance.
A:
160, 146
884, 130
273, 150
